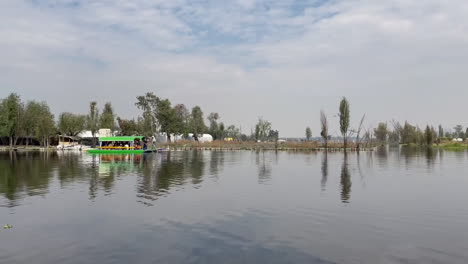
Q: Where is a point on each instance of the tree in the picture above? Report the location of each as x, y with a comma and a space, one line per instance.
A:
409, 134
183, 116
344, 119
127, 127
428, 136
45, 126
308, 133
107, 117
71, 124
149, 105
92, 121
10, 117
441, 131
458, 131
381, 132
465, 135
214, 129
197, 124
233, 132
167, 118
32, 113
324, 127
262, 129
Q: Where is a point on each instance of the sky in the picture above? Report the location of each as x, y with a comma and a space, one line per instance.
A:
281, 60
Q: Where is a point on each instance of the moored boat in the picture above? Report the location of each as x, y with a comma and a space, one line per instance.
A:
121, 145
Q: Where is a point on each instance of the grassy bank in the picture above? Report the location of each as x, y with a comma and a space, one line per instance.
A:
456, 146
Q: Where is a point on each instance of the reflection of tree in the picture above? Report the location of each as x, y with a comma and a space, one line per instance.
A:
216, 162
264, 168
430, 157
323, 182
345, 180
197, 167
25, 174
382, 155
175, 168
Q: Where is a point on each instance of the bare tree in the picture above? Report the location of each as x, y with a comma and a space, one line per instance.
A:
324, 126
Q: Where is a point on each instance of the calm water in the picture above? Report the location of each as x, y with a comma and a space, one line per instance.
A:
389, 206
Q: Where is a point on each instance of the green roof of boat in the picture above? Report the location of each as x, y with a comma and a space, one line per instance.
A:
126, 138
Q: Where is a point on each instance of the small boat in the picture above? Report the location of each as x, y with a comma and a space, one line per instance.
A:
121, 145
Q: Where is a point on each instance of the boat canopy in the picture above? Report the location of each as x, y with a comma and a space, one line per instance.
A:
130, 138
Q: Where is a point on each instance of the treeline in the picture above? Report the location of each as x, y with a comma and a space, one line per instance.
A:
412, 134
32, 120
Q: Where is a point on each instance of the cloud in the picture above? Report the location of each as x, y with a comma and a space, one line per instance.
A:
283, 60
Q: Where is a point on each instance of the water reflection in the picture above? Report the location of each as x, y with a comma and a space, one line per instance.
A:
264, 167
324, 169
345, 180
25, 174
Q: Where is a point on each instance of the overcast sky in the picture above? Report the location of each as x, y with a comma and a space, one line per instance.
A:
283, 60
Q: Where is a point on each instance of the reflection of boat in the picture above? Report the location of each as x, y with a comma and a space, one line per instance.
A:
121, 145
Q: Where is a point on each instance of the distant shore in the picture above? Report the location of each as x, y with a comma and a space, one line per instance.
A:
232, 145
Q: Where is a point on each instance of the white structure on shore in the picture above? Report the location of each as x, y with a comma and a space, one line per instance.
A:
162, 138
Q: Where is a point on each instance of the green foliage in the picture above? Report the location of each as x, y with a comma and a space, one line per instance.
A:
45, 126
107, 119
381, 132
458, 131
441, 131
183, 119
344, 119
10, 117
429, 136
197, 124
262, 129
127, 127
149, 105
92, 120
214, 128
167, 118
233, 132
71, 124
308, 133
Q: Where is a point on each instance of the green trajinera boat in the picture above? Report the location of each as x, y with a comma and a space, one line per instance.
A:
121, 145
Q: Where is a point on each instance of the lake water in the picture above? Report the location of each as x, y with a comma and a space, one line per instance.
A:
386, 206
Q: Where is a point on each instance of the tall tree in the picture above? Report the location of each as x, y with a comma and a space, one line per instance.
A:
344, 119
308, 133
441, 131
127, 127
381, 132
458, 131
10, 117
214, 130
262, 129
324, 128
32, 113
92, 121
107, 119
71, 124
45, 126
197, 124
183, 117
149, 105
167, 118
428, 136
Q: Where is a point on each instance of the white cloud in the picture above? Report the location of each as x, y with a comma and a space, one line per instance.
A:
283, 60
